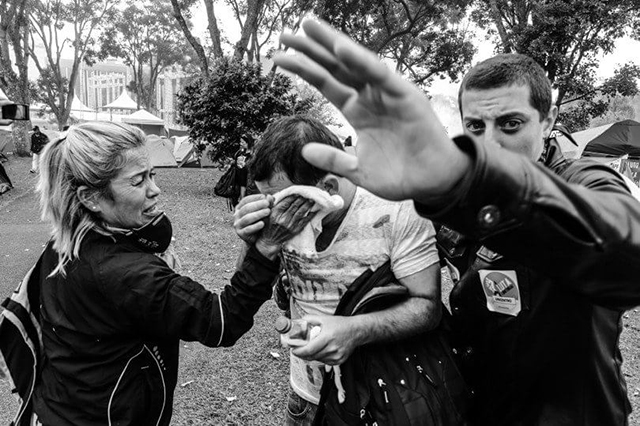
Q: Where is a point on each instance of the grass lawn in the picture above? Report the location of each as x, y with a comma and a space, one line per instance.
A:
246, 384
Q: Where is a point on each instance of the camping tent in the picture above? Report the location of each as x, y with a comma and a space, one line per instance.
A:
186, 153
160, 151
616, 140
148, 122
183, 150
614, 144
582, 138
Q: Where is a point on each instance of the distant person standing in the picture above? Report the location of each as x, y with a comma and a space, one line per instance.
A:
38, 141
241, 159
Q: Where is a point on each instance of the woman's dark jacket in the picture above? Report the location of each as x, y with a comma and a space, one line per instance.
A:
111, 330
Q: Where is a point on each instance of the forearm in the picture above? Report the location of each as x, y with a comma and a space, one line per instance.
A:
577, 231
413, 316
250, 288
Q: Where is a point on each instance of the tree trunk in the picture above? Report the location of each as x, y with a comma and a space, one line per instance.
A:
177, 13
214, 32
253, 11
19, 131
504, 37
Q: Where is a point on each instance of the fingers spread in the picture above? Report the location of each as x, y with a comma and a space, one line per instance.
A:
336, 92
357, 64
248, 219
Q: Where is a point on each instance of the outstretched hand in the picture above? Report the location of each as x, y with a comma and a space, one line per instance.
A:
403, 151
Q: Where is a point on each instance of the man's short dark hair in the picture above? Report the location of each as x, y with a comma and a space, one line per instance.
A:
36, 128
280, 150
506, 70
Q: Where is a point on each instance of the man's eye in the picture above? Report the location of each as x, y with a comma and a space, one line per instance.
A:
475, 126
511, 125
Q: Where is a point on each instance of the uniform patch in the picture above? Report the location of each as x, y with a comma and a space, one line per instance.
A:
501, 291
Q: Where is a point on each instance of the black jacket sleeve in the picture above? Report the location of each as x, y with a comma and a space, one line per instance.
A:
159, 303
583, 227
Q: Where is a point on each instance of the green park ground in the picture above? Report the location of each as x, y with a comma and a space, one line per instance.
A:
243, 385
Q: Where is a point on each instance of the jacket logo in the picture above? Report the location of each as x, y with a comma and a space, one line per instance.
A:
501, 291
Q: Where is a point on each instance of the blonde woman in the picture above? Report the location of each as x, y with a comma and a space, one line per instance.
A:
112, 312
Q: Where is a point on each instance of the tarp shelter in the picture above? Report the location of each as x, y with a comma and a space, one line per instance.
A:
160, 151
146, 121
581, 139
618, 139
616, 145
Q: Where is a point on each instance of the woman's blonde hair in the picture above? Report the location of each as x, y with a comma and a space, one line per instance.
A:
89, 154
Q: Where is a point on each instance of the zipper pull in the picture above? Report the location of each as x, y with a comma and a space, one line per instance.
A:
425, 375
422, 372
383, 387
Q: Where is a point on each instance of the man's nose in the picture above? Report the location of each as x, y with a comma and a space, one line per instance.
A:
491, 136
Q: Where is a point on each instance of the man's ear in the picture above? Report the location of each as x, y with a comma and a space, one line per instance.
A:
331, 184
88, 198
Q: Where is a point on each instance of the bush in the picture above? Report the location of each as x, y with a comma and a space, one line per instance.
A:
236, 100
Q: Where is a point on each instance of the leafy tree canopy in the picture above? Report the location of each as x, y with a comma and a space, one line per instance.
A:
424, 39
146, 36
236, 100
565, 37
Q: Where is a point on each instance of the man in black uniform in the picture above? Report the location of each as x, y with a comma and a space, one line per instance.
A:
544, 252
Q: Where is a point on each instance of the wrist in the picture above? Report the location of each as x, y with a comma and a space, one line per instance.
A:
270, 251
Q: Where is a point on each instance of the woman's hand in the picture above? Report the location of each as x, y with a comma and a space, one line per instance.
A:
287, 218
251, 215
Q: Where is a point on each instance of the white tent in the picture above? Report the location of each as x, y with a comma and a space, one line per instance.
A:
142, 116
80, 110
148, 122
123, 101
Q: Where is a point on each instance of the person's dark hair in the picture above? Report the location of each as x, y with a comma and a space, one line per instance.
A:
347, 141
36, 128
280, 149
506, 70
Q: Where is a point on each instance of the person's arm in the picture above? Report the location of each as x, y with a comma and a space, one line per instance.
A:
340, 335
414, 260
160, 303
587, 232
